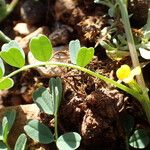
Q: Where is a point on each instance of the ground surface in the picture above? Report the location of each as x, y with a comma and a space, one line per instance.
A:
96, 108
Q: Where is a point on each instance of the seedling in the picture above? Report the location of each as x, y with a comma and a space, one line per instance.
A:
48, 100
5, 127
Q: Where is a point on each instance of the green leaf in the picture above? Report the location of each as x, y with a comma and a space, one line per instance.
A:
107, 46
5, 129
68, 141
85, 55
41, 48
3, 146
39, 132
13, 54
74, 47
21, 142
139, 139
11, 116
56, 92
6, 83
44, 100
2, 68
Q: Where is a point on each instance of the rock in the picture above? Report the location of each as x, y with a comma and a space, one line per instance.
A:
33, 11
67, 11
60, 35
24, 29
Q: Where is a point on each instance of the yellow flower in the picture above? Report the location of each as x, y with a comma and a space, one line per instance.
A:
125, 74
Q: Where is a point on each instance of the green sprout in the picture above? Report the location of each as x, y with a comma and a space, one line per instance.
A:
48, 100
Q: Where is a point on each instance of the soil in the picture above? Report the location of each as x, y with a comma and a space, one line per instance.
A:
89, 106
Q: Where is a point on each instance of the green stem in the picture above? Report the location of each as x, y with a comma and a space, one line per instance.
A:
131, 44
10, 8
145, 101
4, 38
94, 74
56, 126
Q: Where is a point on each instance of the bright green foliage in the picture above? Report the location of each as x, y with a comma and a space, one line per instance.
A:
41, 48
13, 54
21, 142
6, 83
38, 132
84, 56
139, 139
2, 68
55, 86
44, 100
74, 47
68, 141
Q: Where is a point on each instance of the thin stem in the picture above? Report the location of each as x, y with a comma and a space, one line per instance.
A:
131, 44
56, 127
4, 38
10, 8
94, 74
142, 98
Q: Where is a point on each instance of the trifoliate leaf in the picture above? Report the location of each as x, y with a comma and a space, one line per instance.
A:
84, 56
39, 132
12, 54
68, 141
6, 83
74, 47
41, 48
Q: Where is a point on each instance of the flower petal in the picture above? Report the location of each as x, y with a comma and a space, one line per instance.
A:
123, 72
